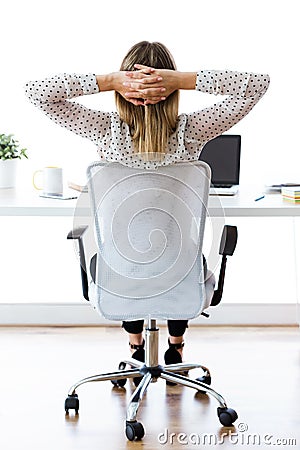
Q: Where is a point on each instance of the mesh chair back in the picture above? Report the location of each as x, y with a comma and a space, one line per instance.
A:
149, 227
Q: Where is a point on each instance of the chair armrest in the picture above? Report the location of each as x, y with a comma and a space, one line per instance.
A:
77, 233
228, 240
227, 248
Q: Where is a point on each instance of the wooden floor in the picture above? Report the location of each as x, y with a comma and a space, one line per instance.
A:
257, 370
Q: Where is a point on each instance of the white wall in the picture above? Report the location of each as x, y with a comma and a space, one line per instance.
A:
39, 39
93, 36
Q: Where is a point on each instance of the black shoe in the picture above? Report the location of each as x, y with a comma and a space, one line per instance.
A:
139, 355
172, 356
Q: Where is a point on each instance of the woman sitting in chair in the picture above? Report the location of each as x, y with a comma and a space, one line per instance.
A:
147, 131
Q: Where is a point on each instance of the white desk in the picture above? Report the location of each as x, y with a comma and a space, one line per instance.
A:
28, 203
244, 205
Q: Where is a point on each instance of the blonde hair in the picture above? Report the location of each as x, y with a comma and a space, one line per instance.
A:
151, 125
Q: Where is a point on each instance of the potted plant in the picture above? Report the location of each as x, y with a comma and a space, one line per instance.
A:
10, 153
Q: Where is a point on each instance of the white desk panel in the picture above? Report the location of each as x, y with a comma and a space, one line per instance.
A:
244, 205
28, 203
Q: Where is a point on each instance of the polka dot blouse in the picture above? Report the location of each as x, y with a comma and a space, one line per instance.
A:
112, 136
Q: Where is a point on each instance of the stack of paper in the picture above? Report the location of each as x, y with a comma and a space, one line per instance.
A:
291, 194
270, 188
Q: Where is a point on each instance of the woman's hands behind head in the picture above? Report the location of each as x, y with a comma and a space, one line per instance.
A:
146, 85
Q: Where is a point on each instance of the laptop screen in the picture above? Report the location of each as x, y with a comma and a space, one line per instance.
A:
222, 154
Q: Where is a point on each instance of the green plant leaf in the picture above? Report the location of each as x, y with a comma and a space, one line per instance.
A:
9, 148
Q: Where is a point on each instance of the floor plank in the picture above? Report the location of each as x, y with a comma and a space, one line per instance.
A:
255, 369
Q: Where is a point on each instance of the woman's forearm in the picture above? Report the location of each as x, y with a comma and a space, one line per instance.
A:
60, 88
232, 83
186, 80
106, 82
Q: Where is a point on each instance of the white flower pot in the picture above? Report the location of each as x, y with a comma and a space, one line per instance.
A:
8, 172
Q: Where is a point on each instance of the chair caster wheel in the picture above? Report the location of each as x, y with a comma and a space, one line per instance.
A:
120, 383
72, 402
204, 379
134, 430
227, 416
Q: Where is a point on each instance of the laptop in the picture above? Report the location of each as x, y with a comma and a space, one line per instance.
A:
223, 155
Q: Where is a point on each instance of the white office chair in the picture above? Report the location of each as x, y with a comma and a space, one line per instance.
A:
148, 227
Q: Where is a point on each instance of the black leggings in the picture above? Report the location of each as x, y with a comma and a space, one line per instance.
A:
176, 327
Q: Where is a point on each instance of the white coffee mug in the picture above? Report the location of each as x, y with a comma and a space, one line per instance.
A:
52, 180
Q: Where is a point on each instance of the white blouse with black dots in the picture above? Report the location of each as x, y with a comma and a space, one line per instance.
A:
112, 136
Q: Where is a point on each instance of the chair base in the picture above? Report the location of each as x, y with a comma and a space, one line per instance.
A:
151, 371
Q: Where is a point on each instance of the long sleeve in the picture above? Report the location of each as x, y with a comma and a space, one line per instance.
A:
243, 90
53, 96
